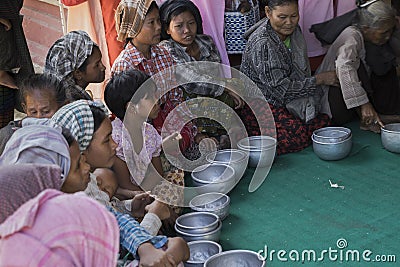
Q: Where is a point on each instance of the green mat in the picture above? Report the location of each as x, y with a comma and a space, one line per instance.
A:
296, 211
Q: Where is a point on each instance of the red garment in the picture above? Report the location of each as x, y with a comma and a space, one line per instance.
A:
72, 2
114, 46
292, 133
108, 10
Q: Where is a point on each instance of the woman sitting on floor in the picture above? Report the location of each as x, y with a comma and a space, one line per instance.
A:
351, 55
275, 58
184, 39
90, 125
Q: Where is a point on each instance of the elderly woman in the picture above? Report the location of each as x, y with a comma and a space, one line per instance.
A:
350, 54
275, 58
76, 60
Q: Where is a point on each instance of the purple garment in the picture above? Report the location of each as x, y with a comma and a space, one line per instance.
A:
22, 182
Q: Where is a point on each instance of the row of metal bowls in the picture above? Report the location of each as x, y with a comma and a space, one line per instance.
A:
332, 143
209, 253
198, 226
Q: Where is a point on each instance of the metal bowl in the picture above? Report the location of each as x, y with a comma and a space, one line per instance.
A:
200, 251
390, 136
331, 134
215, 177
235, 258
213, 235
197, 222
235, 158
261, 150
332, 151
216, 203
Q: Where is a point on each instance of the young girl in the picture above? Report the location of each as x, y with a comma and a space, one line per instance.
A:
41, 96
143, 151
76, 60
138, 25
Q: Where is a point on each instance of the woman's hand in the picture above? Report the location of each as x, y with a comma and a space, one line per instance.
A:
327, 78
152, 257
6, 23
139, 204
160, 209
369, 116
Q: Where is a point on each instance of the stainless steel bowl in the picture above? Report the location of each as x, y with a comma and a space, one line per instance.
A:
197, 222
261, 150
200, 251
216, 203
235, 158
213, 235
332, 151
235, 258
390, 136
331, 134
215, 177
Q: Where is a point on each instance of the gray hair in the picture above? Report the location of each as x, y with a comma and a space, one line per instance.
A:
376, 15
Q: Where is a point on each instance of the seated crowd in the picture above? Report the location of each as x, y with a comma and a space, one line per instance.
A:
71, 150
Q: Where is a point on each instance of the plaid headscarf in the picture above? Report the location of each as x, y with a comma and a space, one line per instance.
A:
38, 143
129, 17
68, 54
78, 119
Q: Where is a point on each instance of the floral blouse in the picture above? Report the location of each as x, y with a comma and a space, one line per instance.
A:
137, 163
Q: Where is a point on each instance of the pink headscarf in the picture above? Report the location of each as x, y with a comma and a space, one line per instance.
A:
56, 229
22, 182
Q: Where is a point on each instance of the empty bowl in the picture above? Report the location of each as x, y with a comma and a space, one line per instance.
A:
332, 150
215, 177
235, 258
331, 134
390, 136
216, 203
235, 158
200, 251
261, 150
197, 222
213, 235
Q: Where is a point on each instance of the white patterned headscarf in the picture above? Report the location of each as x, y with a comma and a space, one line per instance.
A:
68, 54
41, 143
129, 17
78, 119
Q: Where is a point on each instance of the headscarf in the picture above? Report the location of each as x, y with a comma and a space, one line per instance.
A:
68, 54
78, 119
22, 182
40, 144
129, 17
170, 6
56, 229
